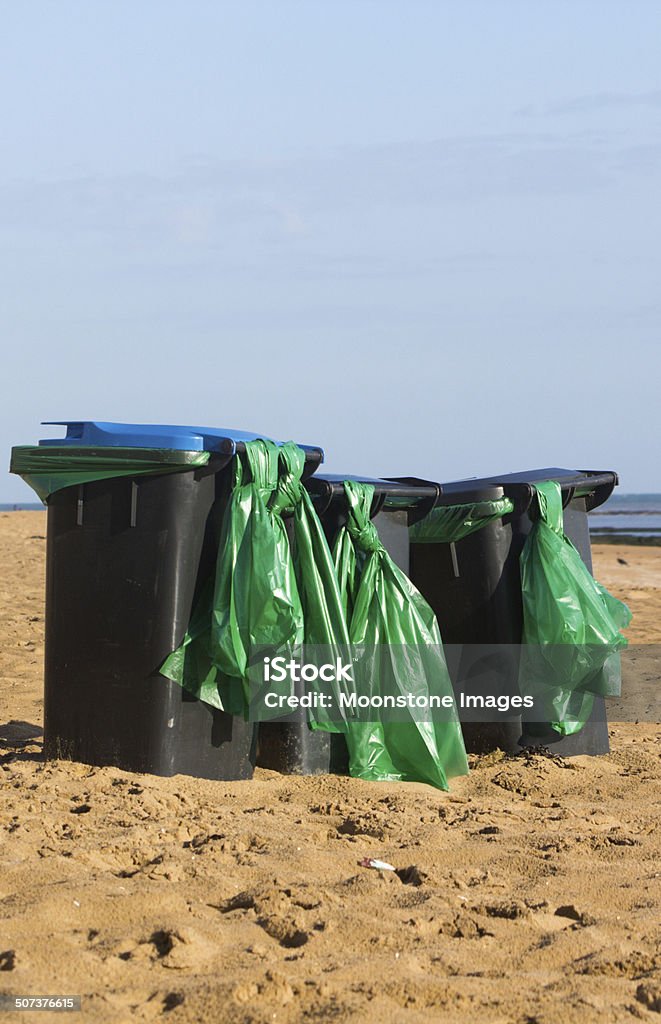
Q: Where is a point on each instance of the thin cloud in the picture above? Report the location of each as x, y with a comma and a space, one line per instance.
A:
594, 102
282, 199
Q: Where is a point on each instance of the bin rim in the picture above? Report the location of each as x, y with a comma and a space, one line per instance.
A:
594, 485
405, 494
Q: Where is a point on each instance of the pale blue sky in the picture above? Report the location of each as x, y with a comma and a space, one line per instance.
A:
422, 234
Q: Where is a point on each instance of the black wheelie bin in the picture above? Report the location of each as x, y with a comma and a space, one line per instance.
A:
134, 513
291, 746
474, 586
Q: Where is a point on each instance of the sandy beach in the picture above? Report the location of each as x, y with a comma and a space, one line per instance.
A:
528, 894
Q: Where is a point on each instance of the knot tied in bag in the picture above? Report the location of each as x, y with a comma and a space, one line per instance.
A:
365, 537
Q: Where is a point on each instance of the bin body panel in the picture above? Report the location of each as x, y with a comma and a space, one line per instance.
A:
124, 560
476, 584
474, 587
577, 529
393, 529
476, 595
293, 748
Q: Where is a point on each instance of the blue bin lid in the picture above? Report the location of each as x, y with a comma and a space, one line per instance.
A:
96, 434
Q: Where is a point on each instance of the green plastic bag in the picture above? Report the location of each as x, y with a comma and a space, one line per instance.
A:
390, 619
253, 600
450, 523
256, 601
49, 468
324, 621
326, 627
571, 624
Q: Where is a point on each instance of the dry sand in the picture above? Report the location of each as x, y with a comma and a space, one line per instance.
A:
532, 894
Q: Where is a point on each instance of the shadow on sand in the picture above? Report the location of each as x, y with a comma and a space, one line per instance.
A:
21, 741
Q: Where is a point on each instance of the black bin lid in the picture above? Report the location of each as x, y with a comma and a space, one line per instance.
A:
405, 494
595, 486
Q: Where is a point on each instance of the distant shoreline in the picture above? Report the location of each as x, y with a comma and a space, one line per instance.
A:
651, 540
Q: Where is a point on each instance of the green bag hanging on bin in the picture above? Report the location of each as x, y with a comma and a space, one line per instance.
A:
253, 600
324, 614
397, 632
571, 624
256, 600
323, 618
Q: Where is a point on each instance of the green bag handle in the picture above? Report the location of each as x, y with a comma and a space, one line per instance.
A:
288, 491
262, 460
549, 500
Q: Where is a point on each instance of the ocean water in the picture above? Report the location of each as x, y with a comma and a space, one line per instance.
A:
23, 506
635, 516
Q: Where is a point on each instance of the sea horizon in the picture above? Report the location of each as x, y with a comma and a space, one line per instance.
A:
634, 517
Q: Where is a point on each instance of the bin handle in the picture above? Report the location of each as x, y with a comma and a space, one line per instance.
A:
425, 506
322, 498
523, 499
325, 499
522, 496
378, 501
567, 495
600, 494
